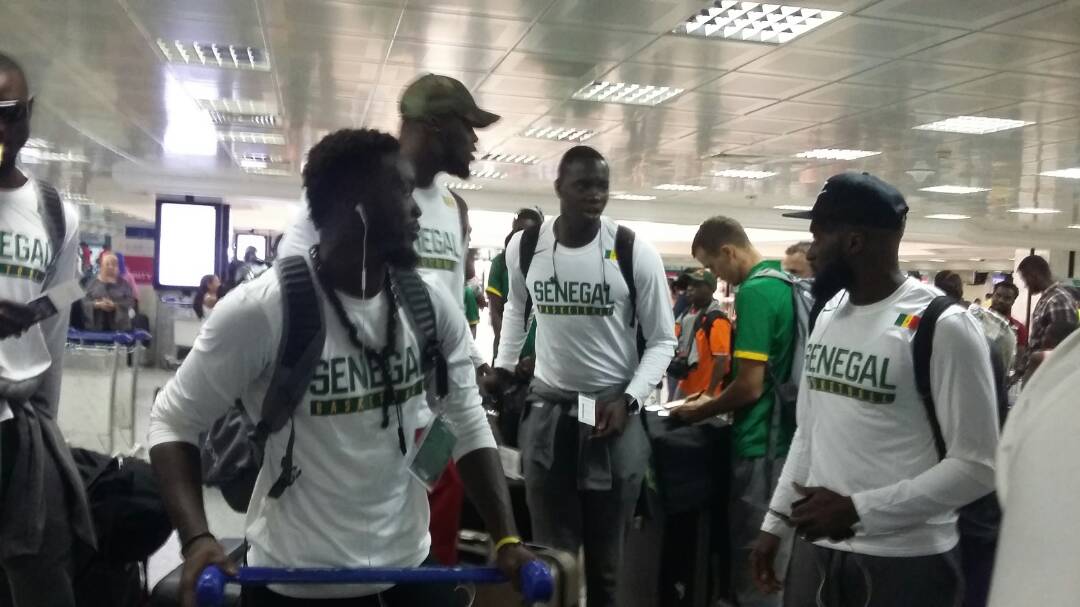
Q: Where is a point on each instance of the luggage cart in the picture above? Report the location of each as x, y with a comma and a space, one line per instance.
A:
536, 580
117, 348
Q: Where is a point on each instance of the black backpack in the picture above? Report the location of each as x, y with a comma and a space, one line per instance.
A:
680, 367
51, 210
232, 453
624, 256
982, 517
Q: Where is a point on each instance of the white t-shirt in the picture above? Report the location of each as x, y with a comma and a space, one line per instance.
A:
584, 338
863, 429
355, 504
25, 253
441, 245
1038, 472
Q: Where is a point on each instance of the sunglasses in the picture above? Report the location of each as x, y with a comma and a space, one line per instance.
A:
15, 110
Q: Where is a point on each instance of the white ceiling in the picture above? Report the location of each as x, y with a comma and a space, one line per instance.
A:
861, 81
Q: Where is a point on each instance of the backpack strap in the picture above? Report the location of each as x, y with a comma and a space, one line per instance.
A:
413, 293
303, 335
706, 320
463, 217
624, 256
529, 238
922, 348
51, 210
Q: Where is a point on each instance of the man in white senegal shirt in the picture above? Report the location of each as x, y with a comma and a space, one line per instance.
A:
872, 505
355, 503
582, 482
438, 122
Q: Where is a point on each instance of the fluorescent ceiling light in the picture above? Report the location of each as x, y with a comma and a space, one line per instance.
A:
972, 125
75, 197
936, 260
253, 163
558, 133
488, 174
252, 137
953, 189
39, 155
211, 54
976, 259
271, 172
634, 197
1073, 173
1035, 211
948, 216
741, 174
679, 187
1074, 227
626, 93
243, 119
458, 185
37, 142
236, 106
510, 158
793, 207
836, 154
770, 23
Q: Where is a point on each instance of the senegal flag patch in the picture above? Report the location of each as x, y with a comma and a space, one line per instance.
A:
610, 254
908, 321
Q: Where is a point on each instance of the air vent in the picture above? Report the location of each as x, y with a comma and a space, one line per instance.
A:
243, 119
212, 54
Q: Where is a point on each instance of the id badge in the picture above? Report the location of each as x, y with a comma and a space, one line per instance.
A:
586, 410
433, 452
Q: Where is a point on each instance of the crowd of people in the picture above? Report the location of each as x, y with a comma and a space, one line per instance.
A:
863, 403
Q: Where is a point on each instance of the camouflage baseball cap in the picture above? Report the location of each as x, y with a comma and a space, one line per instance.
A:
433, 95
701, 275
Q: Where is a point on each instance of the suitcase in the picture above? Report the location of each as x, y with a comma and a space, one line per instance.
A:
167, 591
566, 574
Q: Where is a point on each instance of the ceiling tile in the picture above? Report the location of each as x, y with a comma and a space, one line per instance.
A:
915, 75
424, 26
820, 65
856, 95
328, 15
953, 105
434, 57
1023, 86
994, 51
504, 104
807, 112
679, 118
513, 9
760, 85
294, 44
575, 111
864, 36
638, 15
717, 104
967, 14
1066, 65
582, 42
546, 66
691, 52
713, 141
1059, 22
772, 126
1037, 112
643, 73
500, 83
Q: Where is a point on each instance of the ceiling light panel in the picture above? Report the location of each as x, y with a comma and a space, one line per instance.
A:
836, 154
626, 93
559, 133
211, 54
488, 174
679, 187
1074, 227
237, 106
510, 158
793, 207
633, 197
1034, 211
953, 189
742, 174
251, 137
949, 216
1073, 173
243, 119
458, 185
271, 172
39, 155
754, 22
972, 125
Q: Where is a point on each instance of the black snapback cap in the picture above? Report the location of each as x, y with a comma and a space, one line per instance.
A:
858, 199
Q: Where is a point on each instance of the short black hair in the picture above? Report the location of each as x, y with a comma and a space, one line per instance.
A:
529, 215
799, 247
340, 161
578, 153
1006, 284
719, 231
950, 283
8, 64
1035, 265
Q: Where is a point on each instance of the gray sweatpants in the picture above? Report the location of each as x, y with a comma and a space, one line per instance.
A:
751, 490
822, 577
566, 517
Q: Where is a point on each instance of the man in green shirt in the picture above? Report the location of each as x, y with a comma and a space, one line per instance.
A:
498, 286
763, 350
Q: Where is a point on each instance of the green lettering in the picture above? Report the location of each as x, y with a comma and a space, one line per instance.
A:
853, 363
396, 370
39, 255
572, 289
869, 371
320, 382
561, 293
5, 242
838, 362
884, 383
337, 376
357, 374
22, 248
412, 365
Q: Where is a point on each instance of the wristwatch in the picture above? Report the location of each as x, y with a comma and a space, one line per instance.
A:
632, 405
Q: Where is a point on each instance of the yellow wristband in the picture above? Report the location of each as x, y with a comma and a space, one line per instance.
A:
506, 541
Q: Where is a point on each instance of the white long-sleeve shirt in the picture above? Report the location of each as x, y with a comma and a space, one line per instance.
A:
863, 429
1038, 470
584, 341
355, 503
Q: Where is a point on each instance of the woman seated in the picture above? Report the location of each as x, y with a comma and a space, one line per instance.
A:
109, 299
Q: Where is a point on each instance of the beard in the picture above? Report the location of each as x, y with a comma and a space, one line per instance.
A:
832, 279
403, 256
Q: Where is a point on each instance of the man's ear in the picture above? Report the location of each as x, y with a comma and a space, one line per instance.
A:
558, 186
30, 109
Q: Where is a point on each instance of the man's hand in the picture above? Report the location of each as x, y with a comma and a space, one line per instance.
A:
105, 304
15, 319
495, 383
510, 559
823, 513
694, 409
204, 552
525, 368
611, 417
762, 559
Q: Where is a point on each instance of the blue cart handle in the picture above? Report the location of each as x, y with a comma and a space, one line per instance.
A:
537, 584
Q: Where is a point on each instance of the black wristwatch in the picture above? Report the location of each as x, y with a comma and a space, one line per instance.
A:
632, 405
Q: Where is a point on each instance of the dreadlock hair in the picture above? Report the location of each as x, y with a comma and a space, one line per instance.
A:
339, 163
